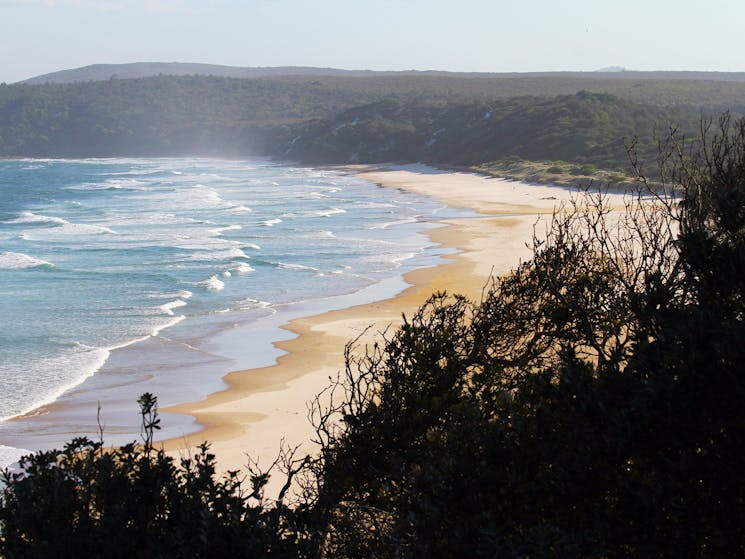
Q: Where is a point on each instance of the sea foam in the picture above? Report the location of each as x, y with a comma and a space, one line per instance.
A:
212, 284
31, 217
19, 261
242, 268
168, 307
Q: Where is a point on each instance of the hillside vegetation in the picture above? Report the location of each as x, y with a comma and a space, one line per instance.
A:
575, 125
585, 128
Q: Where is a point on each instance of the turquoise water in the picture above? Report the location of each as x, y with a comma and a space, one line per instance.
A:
101, 259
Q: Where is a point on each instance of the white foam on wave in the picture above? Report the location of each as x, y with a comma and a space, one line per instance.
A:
70, 230
31, 217
242, 268
271, 222
392, 223
206, 194
285, 266
19, 261
249, 303
61, 226
196, 197
183, 294
168, 307
133, 172
227, 254
86, 229
151, 218
388, 261
203, 244
212, 284
220, 230
251, 245
374, 205
315, 195
110, 184
155, 331
328, 212
219, 177
401, 257
85, 359
240, 208
319, 235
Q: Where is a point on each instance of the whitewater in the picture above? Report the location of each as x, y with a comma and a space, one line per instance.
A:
121, 275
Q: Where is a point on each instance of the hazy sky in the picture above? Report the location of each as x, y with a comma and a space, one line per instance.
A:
40, 36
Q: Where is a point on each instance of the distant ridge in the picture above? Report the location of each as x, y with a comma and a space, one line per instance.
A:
103, 72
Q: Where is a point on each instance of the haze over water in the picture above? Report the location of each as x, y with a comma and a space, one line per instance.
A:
101, 259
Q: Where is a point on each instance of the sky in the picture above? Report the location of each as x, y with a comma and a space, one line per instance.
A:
41, 36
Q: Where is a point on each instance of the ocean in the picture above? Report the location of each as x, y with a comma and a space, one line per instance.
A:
119, 276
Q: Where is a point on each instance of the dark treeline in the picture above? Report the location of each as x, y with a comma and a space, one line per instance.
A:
432, 118
589, 405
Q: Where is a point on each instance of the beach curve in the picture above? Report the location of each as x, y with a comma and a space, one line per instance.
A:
261, 407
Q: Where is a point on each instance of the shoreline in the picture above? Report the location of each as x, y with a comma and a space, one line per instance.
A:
263, 406
188, 362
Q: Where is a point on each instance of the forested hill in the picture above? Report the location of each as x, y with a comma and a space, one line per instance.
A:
441, 119
589, 128
100, 72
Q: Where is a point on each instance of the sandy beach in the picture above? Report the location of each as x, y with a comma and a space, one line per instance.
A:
263, 406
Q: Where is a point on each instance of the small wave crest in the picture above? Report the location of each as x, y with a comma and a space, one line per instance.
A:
212, 284
242, 268
271, 222
85, 229
227, 254
183, 294
221, 230
31, 217
285, 266
19, 261
328, 212
111, 184
60, 226
175, 320
249, 303
393, 223
167, 308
